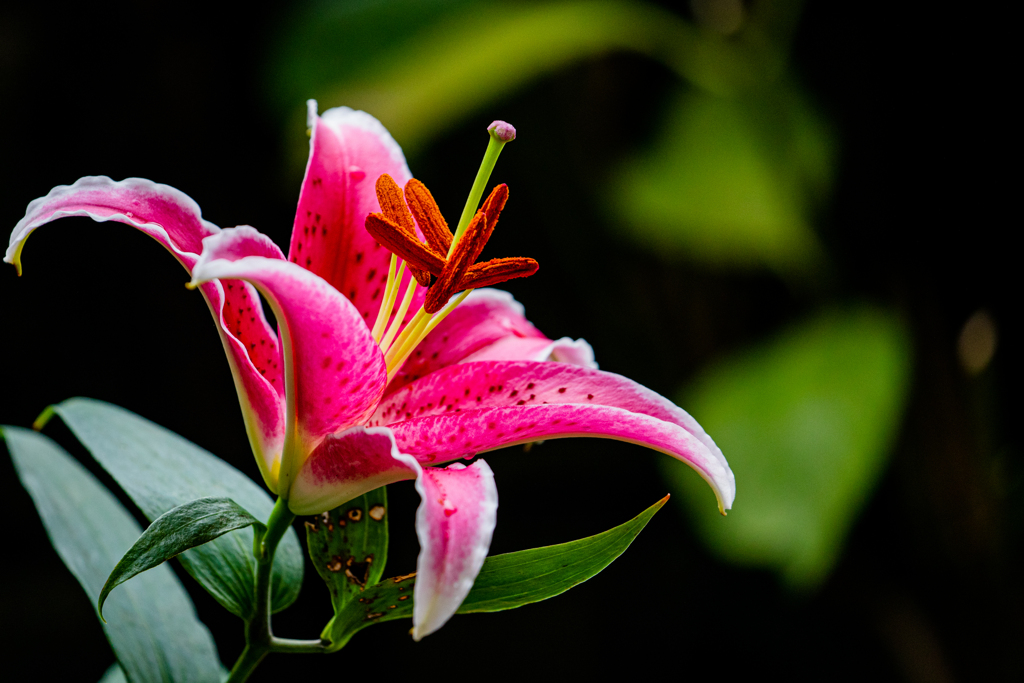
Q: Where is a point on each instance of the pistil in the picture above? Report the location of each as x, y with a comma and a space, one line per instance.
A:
500, 133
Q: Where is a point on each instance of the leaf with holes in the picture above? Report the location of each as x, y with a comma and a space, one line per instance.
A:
349, 546
186, 526
160, 470
151, 623
505, 582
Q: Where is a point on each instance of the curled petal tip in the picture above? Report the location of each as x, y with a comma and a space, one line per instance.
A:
502, 130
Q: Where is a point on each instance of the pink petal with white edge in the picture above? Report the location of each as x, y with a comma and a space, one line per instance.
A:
564, 350
167, 215
475, 407
334, 371
454, 523
174, 220
488, 325
348, 151
347, 465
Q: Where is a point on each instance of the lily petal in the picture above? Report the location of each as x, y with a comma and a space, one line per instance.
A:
454, 523
174, 220
348, 151
488, 325
475, 407
334, 371
347, 465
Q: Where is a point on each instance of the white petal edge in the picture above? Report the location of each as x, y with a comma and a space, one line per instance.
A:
498, 296
338, 117
434, 604
566, 350
29, 223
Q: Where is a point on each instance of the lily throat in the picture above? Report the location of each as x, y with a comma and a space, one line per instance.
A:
443, 263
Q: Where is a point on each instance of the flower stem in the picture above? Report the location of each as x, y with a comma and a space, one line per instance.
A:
259, 639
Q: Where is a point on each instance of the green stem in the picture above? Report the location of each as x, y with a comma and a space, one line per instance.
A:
494, 147
246, 664
259, 639
296, 646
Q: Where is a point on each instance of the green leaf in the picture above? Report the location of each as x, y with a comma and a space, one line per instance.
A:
172, 533
807, 421
115, 674
152, 625
349, 546
731, 182
505, 581
160, 470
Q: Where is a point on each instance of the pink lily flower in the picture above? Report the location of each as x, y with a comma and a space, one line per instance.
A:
356, 389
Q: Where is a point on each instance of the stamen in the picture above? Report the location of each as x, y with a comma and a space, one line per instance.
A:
461, 259
392, 205
388, 303
451, 258
407, 335
424, 328
428, 216
406, 246
499, 270
399, 317
467, 251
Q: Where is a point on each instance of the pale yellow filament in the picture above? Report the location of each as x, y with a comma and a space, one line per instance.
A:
389, 300
423, 327
385, 343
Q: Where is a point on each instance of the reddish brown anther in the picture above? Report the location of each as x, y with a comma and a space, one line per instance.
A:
417, 254
466, 251
428, 216
393, 229
392, 205
498, 270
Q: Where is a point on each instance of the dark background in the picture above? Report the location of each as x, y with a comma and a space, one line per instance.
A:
928, 588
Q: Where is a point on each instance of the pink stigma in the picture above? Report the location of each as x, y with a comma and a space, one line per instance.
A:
502, 130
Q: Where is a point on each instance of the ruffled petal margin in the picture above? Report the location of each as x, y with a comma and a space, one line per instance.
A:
480, 406
174, 220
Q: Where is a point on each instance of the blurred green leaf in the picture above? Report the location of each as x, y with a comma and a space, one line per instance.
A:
115, 674
172, 533
505, 581
152, 625
731, 181
806, 422
421, 67
160, 470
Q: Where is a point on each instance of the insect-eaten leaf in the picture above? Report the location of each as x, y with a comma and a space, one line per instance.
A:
349, 546
186, 526
505, 581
